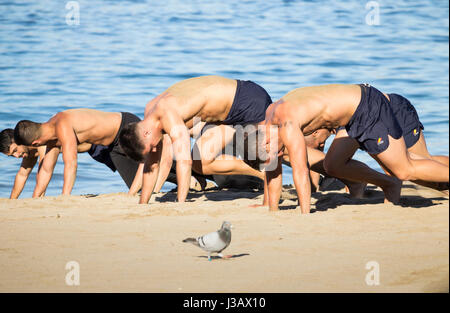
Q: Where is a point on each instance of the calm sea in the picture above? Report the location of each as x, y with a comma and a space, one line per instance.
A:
121, 54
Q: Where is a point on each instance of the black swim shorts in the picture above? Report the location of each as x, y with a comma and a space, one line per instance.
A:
101, 154
126, 167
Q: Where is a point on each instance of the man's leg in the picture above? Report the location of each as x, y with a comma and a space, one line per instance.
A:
398, 161
338, 163
126, 167
208, 158
420, 149
316, 162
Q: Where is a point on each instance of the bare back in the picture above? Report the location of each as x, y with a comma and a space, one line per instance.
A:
91, 126
207, 97
312, 108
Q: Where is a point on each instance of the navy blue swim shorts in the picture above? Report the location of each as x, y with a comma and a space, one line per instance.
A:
249, 104
407, 117
373, 121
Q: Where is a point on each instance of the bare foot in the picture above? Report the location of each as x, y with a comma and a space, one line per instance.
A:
392, 191
198, 183
202, 181
356, 190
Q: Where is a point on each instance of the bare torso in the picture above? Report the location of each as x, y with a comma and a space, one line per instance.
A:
312, 108
207, 97
90, 126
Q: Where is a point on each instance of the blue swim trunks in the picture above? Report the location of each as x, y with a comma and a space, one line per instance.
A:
407, 117
373, 121
249, 104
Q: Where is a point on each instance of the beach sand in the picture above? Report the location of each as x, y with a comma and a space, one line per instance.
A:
121, 246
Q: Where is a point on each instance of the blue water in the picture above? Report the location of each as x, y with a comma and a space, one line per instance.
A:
124, 53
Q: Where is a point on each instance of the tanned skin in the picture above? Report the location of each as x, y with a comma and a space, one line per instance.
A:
30, 156
66, 130
315, 143
206, 99
304, 110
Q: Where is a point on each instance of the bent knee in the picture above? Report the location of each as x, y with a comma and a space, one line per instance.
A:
403, 174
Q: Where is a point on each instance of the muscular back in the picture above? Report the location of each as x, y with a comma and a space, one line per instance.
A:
326, 106
207, 97
91, 126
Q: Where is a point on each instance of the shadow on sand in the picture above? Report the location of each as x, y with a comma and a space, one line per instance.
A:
213, 194
372, 195
215, 257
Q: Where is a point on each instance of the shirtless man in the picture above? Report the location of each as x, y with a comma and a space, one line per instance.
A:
167, 167
315, 143
212, 99
370, 124
31, 155
66, 130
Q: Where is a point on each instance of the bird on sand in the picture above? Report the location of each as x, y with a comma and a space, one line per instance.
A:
214, 242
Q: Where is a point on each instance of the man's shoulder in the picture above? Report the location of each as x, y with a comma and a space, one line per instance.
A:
285, 110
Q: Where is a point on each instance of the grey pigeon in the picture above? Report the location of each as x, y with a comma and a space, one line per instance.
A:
214, 242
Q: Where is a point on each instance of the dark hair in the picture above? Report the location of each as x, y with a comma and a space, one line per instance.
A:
26, 132
6, 139
130, 143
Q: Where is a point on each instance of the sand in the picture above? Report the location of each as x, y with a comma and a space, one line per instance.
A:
121, 246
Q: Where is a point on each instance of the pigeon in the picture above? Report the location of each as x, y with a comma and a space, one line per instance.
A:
214, 242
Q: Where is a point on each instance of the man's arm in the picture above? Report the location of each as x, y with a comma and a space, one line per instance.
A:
150, 174
66, 135
179, 134
273, 182
22, 175
137, 181
265, 198
166, 162
47, 162
294, 141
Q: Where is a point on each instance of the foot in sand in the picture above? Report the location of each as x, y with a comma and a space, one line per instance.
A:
198, 183
392, 191
356, 190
